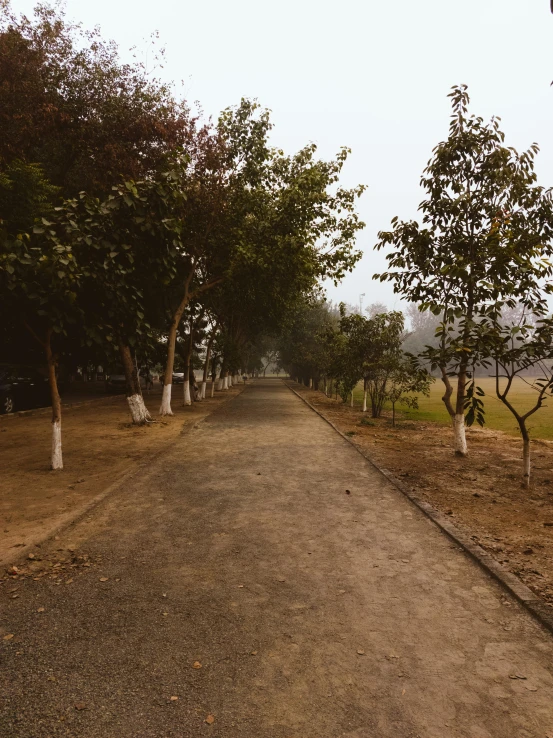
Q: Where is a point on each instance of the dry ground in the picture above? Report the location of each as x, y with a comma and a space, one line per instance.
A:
482, 493
99, 446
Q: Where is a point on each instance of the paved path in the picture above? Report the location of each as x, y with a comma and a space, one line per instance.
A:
313, 613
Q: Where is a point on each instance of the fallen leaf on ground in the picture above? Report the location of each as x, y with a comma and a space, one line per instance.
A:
254, 653
173, 699
68, 581
360, 652
80, 706
197, 665
41, 609
210, 719
516, 676
8, 637
240, 586
104, 579
531, 688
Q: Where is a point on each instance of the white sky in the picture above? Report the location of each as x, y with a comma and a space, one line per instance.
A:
370, 74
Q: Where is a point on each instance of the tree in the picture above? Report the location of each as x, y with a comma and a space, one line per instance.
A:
71, 105
129, 243
484, 242
39, 280
379, 349
514, 349
405, 379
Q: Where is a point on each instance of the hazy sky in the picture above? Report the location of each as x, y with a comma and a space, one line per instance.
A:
370, 74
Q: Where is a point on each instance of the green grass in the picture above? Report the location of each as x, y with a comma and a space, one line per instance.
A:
498, 416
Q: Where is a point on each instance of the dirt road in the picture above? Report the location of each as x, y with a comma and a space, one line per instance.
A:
238, 590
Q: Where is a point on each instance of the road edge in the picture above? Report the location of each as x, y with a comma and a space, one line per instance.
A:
523, 594
77, 515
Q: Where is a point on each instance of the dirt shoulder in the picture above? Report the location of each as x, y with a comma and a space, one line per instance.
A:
100, 445
483, 493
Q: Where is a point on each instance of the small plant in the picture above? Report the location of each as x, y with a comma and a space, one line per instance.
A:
350, 433
366, 421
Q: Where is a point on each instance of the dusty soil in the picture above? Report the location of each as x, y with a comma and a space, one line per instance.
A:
100, 445
482, 493
261, 580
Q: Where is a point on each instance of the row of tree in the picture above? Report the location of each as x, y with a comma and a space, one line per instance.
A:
335, 349
479, 269
130, 227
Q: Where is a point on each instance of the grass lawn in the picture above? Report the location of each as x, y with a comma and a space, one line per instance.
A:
498, 416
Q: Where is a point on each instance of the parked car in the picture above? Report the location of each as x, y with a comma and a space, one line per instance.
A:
178, 377
22, 388
117, 382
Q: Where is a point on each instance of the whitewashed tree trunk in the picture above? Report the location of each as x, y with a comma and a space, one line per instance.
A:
225, 383
365, 401
57, 459
220, 383
229, 381
203, 390
212, 387
352, 399
165, 408
186, 392
526, 461
325, 387
139, 411
459, 433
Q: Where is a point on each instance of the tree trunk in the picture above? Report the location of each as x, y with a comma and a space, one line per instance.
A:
186, 399
526, 455
457, 416
393, 414
135, 401
206, 364
365, 401
165, 408
56, 458
446, 399
460, 436
352, 398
